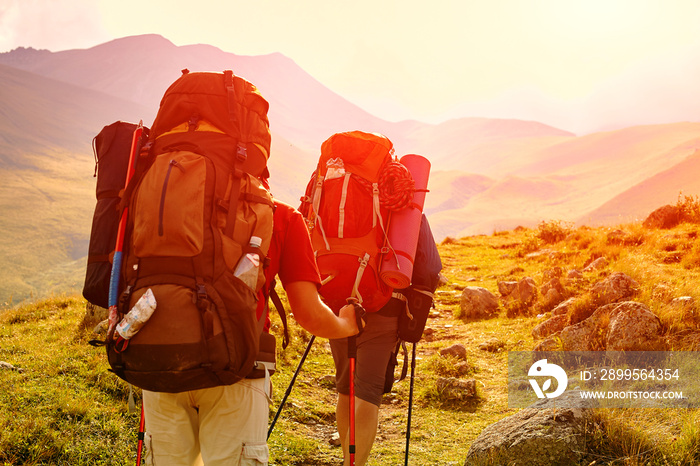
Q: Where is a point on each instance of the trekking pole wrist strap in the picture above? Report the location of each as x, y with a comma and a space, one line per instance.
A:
359, 314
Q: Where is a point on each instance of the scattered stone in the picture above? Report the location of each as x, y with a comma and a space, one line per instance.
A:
452, 388
101, 327
523, 291
448, 296
463, 368
633, 327
552, 343
477, 303
662, 292
550, 326
7, 366
507, 287
664, 217
614, 288
326, 381
574, 275
546, 254
93, 318
555, 272
493, 345
617, 237
553, 292
334, 441
598, 264
458, 351
564, 307
586, 335
553, 283
684, 303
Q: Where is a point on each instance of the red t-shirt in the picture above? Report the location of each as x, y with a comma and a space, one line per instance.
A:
291, 255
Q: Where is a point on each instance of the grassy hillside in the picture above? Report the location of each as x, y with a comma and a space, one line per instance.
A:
46, 213
47, 193
65, 408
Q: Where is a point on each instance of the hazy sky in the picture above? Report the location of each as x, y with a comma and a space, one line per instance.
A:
580, 65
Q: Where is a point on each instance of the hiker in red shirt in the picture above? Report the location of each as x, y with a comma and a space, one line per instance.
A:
228, 424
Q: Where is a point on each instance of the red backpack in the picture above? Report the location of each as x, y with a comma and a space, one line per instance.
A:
348, 215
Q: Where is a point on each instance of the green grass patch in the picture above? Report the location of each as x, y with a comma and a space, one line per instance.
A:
64, 407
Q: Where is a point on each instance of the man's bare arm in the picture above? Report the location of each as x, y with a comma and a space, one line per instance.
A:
317, 318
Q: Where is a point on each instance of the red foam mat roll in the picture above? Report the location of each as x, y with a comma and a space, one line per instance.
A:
396, 270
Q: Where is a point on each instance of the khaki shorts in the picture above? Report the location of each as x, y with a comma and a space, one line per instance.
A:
216, 426
374, 348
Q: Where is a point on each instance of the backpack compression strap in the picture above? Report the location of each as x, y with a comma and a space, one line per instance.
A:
240, 156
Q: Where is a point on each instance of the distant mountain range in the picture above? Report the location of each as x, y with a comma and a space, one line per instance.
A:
487, 174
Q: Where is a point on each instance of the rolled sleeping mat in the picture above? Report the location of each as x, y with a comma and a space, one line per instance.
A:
396, 270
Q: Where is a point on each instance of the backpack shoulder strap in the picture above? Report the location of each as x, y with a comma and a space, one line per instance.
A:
274, 297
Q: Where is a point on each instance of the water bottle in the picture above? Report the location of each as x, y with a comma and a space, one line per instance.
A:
248, 266
137, 316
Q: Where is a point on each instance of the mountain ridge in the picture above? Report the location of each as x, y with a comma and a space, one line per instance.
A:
487, 174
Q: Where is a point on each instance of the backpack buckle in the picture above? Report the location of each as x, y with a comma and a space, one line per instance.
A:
241, 152
125, 297
202, 296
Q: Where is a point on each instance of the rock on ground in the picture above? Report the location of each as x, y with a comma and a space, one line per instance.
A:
536, 436
478, 302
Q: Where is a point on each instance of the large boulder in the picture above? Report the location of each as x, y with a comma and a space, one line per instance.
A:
478, 303
523, 292
616, 287
553, 292
550, 432
633, 327
564, 308
587, 335
664, 217
550, 326
626, 326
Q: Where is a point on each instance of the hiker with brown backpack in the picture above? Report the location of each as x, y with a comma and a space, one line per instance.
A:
228, 422
200, 242
359, 194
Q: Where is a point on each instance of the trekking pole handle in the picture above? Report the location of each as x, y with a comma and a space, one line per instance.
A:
359, 314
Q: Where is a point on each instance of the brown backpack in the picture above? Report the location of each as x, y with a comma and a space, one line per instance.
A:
193, 208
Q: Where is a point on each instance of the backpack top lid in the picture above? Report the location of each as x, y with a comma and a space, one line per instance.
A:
362, 153
217, 102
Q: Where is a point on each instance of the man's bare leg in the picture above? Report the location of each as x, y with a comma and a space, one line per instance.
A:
366, 422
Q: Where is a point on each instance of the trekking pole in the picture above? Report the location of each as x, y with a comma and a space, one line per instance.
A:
142, 429
410, 402
291, 384
117, 260
352, 356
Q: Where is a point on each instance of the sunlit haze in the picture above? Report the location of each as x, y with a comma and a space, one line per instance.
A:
580, 66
